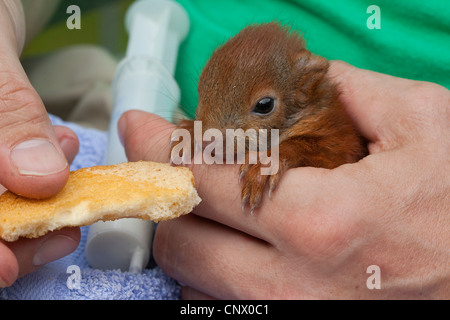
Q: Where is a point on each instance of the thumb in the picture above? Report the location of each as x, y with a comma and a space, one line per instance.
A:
145, 136
32, 162
390, 111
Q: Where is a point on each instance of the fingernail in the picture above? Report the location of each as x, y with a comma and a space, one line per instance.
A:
53, 249
38, 157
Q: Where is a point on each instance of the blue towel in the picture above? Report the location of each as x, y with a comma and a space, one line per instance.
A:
56, 280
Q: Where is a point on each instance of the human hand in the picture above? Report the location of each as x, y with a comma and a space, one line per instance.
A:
34, 156
32, 161
321, 230
27, 255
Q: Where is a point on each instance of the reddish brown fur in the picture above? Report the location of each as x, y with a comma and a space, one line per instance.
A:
269, 60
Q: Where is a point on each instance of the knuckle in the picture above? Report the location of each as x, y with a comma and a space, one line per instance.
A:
427, 94
430, 108
19, 104
322, 238
326, 234
423, 113
14, 92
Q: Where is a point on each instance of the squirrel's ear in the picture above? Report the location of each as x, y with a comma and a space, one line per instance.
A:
310, 71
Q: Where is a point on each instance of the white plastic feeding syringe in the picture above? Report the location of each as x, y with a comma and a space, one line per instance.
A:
144, 80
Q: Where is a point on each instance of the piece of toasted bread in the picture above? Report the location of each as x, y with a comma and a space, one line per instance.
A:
145, 190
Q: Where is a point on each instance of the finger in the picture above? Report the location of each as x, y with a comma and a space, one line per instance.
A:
31, 254
226, 257
387, 110
32, 162
68, 141
367, 95
147, 137
9, 267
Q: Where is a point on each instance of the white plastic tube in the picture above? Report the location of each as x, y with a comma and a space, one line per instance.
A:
144, 80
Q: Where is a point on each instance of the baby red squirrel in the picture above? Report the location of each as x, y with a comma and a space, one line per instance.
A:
265, 78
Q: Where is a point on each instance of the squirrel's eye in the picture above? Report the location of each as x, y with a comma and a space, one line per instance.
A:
264, 106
